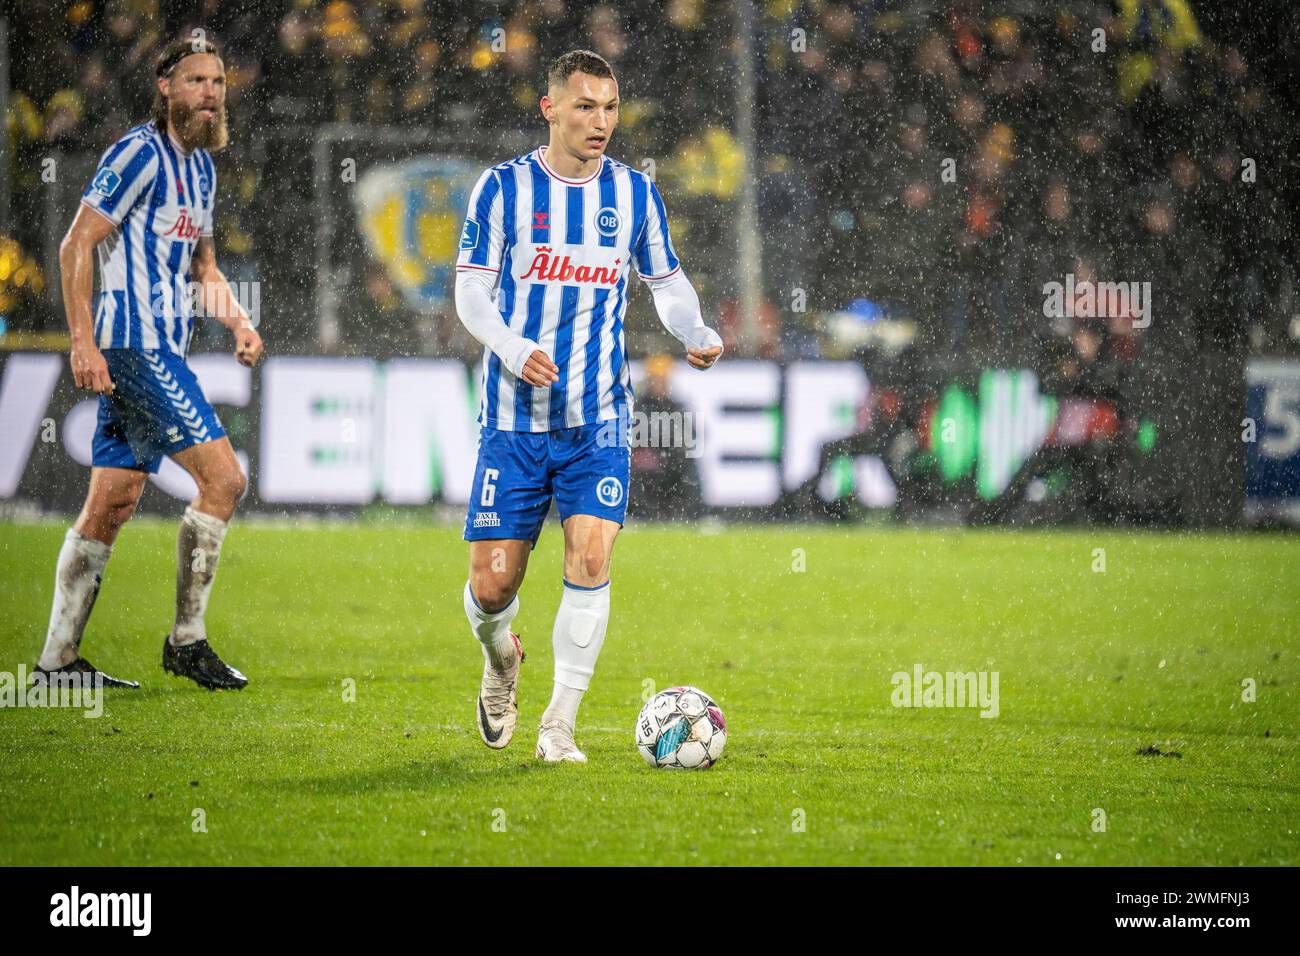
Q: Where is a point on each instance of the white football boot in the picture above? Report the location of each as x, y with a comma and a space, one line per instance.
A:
498, 707
555, 743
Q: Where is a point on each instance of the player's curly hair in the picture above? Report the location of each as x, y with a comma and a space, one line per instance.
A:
166, 61
578, 61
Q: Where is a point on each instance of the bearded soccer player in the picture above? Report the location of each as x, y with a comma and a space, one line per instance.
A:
542, 282
147, 215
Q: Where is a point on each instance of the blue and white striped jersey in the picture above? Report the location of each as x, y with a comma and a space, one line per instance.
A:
563, 249
161, 200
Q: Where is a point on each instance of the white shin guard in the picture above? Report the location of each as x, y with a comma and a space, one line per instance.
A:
579, 633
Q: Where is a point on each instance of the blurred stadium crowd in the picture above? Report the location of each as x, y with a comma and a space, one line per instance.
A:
923, 168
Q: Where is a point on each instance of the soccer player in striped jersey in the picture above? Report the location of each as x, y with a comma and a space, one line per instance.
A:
549, 242
147, 215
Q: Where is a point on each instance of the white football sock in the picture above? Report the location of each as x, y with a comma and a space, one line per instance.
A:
76, 585
564, 705
579, 632
492, 630
198, 546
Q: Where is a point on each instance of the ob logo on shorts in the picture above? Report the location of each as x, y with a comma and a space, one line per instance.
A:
610, 491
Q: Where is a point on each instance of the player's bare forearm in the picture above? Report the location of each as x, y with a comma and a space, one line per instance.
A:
219, 302
76, 271
218, 299
76, 265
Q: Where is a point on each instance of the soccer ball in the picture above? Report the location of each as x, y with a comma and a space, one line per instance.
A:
681, 728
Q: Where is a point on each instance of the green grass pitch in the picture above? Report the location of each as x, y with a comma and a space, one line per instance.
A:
1094, 666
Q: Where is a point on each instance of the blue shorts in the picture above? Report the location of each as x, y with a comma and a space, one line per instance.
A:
155, 409
585, 469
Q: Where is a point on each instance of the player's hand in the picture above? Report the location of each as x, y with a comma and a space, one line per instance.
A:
703, 358
248, 345
539, 370
90, 369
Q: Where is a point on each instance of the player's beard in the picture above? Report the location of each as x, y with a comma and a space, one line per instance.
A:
198, 132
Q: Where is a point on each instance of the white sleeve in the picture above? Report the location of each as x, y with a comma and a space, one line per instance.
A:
679, 311
480, 315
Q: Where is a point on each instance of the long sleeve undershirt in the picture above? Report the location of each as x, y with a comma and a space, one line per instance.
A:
675, 301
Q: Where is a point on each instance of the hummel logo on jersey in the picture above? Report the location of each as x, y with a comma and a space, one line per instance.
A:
549, 268
541, 220
487, 519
